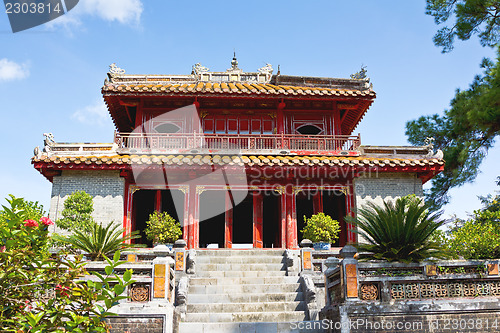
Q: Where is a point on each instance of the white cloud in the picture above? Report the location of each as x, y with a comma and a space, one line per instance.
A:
94, 114
10, 70
122, 11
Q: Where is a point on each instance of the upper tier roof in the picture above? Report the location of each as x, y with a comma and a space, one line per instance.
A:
120, 89
234, 80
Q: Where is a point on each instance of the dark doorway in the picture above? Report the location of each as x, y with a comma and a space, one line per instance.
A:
271, 219
169, 199
304, 207
243, 221
212, 218
334, 205
143, 205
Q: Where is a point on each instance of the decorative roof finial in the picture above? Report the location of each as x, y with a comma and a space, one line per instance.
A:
234, 63
114, 69
361, 75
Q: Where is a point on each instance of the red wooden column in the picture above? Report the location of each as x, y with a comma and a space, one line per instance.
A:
158, 201
283, 222
351, 236
318, 202
257, 221
194, 218
139, 117
185, 223
280, 122
291, 221
228, 232
127, 210
336, 120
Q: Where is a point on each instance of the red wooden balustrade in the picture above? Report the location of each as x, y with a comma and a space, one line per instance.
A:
199, 142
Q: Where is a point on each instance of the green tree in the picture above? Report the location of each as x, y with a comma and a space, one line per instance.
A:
77, 212
469, 17
469, 128
479, 236
464, 133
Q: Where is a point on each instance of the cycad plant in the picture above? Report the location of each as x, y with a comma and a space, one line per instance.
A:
399, 231
100, 241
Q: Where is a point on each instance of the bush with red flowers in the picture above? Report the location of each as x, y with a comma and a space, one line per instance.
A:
40, 292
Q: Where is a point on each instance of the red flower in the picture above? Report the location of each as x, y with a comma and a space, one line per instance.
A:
30, 223
46, 221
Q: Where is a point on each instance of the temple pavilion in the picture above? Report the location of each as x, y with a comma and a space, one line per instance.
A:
239, 158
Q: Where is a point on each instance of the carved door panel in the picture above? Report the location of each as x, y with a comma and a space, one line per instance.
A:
257, 221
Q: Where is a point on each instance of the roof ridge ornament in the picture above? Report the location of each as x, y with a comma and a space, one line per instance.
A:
361, 75
114, 69
267, 69
234, 65
198, 68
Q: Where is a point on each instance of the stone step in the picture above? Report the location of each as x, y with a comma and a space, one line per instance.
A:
244, 288
240, 260
269, 327
210, 281
283, 316
247, 307
240, 267
244, 297
220, 274
246, 252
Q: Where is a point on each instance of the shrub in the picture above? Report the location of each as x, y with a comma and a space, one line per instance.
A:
162, 228
399, 231
28, 274
476, 240
100, 241
22, 225
321, 228
77, 212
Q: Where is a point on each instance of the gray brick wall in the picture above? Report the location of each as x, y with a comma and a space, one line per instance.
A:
377, 187
105, 186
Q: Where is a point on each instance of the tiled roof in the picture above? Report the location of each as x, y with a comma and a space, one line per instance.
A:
260, 160
233, 88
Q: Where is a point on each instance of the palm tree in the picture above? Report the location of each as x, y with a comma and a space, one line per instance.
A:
399, 231
100, 241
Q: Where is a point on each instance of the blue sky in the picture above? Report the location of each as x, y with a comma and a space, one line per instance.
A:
51, 76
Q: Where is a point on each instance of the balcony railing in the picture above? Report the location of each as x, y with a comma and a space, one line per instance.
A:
199, 143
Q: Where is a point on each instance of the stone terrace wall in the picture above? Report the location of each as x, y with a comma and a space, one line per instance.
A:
105, 186
135, 324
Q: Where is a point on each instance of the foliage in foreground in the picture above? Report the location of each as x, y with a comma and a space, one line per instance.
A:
321, 228
162, 228
399, 231
41, 292
101, 241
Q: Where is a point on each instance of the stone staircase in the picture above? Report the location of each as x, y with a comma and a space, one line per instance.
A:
243, 291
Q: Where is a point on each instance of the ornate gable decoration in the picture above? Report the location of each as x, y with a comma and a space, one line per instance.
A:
233, 74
